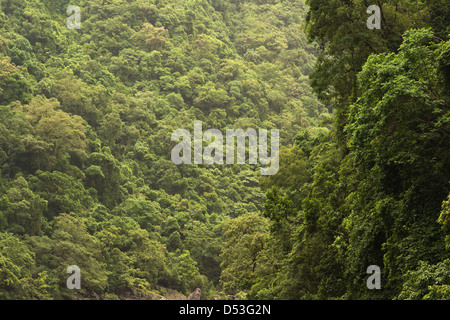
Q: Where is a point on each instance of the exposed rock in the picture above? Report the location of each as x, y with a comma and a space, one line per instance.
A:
135, 294
196, 295
173, 295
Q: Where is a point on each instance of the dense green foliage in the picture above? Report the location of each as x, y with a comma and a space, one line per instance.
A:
86, 118
86, 178
370, 192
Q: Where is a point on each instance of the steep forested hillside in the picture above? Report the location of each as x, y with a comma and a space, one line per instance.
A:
86, 122
373, 191
86, 176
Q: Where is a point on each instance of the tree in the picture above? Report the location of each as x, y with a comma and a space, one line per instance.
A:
154, 38
104, 174
73, 245
204, 242
18, 278
15, 84
245, 240
62, 192
404, 145
427, 282
56, 130
24, 213
184, 273
346, 44
135, 260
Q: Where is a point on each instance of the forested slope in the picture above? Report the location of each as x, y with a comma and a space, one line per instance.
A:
373, 192
86, 121
86, 117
